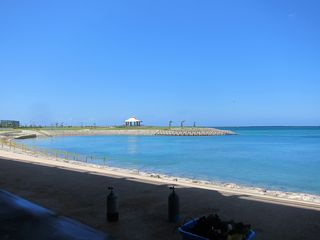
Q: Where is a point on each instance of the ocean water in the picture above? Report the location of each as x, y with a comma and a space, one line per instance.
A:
277, 158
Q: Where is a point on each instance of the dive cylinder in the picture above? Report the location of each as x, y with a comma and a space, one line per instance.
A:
173, 206
112, 206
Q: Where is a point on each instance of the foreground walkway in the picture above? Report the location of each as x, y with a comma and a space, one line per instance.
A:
21, 219
143, 205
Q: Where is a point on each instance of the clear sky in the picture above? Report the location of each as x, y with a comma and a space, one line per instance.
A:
220, 63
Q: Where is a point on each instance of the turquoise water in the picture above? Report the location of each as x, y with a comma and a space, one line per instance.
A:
279, 158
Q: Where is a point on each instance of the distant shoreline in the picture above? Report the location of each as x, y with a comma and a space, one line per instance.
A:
134, 131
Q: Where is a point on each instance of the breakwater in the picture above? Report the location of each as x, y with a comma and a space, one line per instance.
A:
193, 132
175, 131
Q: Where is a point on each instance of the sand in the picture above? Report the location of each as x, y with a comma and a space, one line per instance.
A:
79, 191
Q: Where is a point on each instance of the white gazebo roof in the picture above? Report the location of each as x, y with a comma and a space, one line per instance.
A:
133, 119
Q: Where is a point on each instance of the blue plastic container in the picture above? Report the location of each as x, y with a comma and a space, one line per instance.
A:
186, 235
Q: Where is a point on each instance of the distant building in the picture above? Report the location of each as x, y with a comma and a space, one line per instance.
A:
9, 124
133, 121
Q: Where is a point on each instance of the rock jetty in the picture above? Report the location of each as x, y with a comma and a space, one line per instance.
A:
193, 132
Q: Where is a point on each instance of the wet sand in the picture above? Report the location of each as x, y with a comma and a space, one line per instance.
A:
80, 192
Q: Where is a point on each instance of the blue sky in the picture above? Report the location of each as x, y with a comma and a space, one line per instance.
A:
220, 63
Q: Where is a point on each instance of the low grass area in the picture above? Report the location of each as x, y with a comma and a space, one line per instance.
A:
9, 129
78, 128
139, 128
51, 128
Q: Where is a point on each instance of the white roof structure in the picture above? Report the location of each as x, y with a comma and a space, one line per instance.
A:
133, 119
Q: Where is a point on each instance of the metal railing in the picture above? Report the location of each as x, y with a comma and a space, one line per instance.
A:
55, 154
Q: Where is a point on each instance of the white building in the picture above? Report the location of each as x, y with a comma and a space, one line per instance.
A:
133, 121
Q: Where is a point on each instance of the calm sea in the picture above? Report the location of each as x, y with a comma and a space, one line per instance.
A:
279, 158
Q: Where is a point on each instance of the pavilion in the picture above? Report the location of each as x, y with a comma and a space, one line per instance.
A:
133, 121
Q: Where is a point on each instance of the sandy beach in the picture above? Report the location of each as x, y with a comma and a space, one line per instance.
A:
79, 191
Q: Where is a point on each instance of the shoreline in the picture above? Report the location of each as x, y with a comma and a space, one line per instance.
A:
260, 194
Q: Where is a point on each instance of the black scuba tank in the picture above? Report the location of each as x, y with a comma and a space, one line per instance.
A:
112, 206
173, 206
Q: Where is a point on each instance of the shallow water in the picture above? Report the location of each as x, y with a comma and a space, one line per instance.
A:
279, 158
